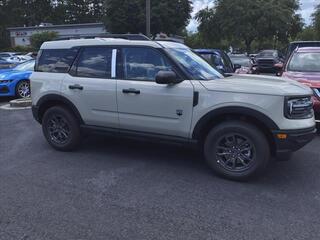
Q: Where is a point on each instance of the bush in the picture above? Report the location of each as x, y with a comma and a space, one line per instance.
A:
22, 49
38, 38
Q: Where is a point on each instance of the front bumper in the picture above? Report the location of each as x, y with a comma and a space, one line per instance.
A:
288, 141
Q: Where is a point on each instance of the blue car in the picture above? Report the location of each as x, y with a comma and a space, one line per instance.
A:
15, 82
218, 59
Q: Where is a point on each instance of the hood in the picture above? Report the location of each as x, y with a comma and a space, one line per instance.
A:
310, 79
14, 74
254, 84
6, 70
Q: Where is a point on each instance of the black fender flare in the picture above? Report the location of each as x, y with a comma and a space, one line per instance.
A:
57, 99
225, 111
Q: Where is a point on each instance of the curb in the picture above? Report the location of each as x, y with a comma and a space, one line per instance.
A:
21, 103
9, 108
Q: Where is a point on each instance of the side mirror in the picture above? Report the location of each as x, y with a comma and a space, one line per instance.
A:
236, 66
167, 77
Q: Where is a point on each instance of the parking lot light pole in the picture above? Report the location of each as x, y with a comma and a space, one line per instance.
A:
148, 16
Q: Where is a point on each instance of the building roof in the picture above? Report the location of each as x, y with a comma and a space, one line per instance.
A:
82, 25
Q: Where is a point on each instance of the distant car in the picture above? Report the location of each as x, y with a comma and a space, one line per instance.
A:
15, 82
7, 55
19, 59
299, 44
218, 59
246, 63
269, 61
304, 66
5, 64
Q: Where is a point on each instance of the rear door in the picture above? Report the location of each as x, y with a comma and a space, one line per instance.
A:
146, 106
91, 86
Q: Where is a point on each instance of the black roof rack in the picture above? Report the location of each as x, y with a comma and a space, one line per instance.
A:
136, 37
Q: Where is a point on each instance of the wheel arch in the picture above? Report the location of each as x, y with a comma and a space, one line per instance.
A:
252, 116
47, 101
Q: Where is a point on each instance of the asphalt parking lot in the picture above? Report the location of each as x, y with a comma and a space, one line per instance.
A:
121, 189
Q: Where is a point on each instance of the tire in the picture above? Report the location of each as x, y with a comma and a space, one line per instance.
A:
23, 89
61, 129
237, 150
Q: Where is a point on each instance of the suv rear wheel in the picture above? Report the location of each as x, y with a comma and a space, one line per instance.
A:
61, 129
237, 150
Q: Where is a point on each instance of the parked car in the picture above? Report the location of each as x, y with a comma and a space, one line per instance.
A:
304, 66
269, 61
218, 59
163, 90
19, 59
299, 44
5, 64
7, 55
15, 82
246, 63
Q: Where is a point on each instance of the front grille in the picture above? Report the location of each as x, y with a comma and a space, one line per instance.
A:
266, 63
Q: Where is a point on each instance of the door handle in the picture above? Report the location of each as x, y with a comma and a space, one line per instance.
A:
131, 90
76, 86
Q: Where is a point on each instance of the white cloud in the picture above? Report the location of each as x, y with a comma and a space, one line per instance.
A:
307, 8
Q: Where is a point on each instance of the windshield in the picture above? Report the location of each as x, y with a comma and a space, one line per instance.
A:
27, 66
267, 54
305, 62
245, 62
194, 65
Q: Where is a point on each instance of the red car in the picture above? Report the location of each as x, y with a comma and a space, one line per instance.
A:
304, 66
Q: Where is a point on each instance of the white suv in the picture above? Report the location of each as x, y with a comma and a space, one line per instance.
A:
163, 90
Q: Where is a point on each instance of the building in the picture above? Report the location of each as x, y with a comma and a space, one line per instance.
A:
20, 36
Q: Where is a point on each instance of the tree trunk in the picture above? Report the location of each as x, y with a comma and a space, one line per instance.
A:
248, 45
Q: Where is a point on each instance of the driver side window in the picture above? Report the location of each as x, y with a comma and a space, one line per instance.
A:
143, 64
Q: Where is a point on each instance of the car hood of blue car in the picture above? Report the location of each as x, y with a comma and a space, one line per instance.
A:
15, 75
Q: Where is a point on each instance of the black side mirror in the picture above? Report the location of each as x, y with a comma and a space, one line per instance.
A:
167, 77
236, 66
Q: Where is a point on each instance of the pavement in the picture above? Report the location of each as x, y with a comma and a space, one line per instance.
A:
121, 189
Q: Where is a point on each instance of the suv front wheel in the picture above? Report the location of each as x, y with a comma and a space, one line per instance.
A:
61, 129
237, 150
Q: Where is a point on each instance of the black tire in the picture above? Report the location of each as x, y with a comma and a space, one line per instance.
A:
61, 129
248, 159
23, 89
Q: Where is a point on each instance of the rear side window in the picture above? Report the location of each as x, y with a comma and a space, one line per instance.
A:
95, 62
56, 60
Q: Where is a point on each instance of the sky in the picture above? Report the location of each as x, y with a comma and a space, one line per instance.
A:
307, 8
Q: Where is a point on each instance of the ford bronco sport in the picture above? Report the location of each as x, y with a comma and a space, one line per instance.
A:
163, 90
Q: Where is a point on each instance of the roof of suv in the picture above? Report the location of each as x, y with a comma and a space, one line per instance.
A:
308, 49
65, 44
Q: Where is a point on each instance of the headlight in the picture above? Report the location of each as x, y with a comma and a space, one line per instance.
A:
5, 81
298, 108
316, 92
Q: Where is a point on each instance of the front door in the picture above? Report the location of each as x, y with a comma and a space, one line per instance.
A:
146, 106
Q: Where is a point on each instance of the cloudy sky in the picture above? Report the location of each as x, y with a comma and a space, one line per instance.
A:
307, 7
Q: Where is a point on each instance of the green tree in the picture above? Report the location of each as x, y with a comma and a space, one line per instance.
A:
128, 16
83, 11
250, 20
316, 21
38, 38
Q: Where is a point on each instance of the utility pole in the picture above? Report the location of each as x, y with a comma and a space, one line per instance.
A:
148, 17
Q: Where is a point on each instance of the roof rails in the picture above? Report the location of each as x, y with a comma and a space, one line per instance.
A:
136, 37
